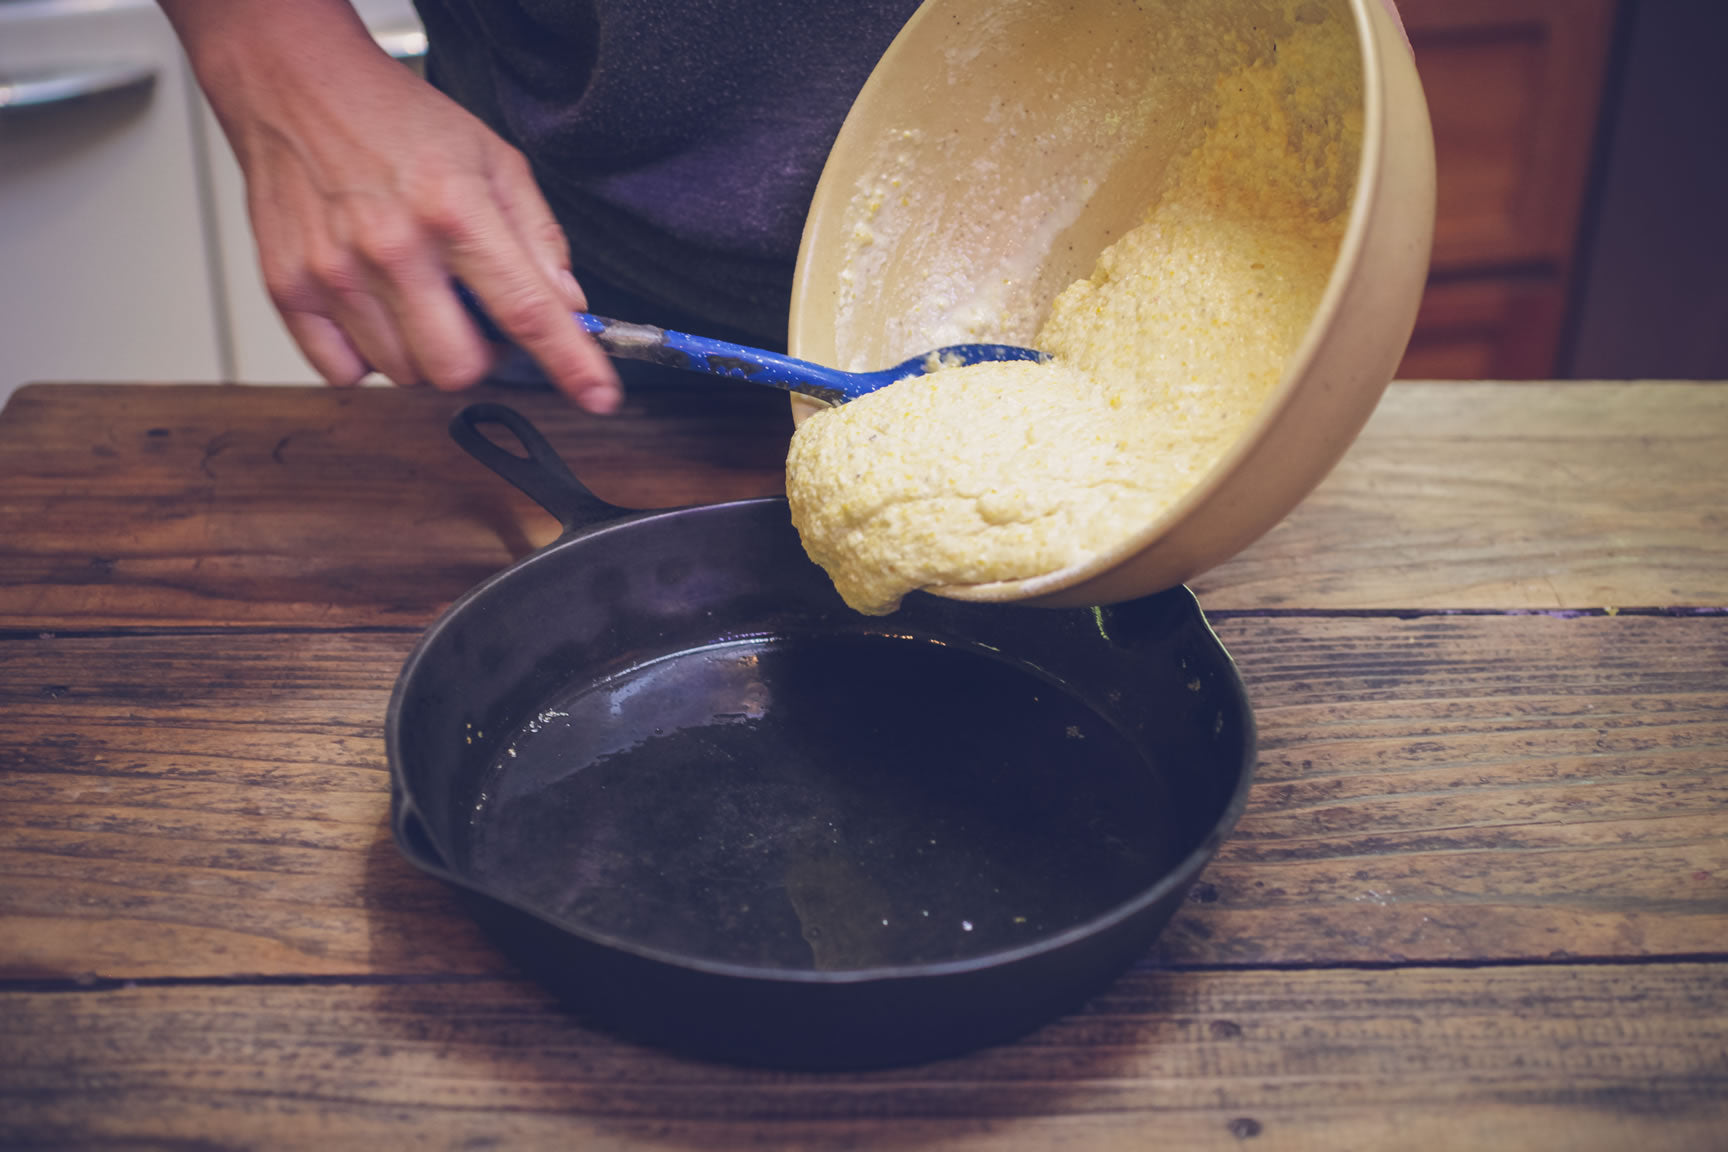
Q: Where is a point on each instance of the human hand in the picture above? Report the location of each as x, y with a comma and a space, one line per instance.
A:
369, 192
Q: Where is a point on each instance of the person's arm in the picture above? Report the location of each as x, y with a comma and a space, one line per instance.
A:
369, 191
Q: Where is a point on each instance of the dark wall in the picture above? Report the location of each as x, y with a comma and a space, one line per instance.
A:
1652, 298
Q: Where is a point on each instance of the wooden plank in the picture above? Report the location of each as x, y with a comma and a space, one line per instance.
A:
1448, 787
230, 505
295, 506
1443, 788
1495, 496
1552, 1057
178, 806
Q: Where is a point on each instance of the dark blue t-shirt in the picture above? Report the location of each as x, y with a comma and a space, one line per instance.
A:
678, 141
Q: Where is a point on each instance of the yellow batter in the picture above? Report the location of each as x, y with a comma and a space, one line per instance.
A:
1162, 357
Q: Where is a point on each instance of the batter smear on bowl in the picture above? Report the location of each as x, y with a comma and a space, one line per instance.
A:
1162, 359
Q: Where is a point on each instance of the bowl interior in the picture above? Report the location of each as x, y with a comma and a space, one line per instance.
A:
999, 147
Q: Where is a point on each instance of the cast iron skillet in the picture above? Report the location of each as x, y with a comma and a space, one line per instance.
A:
689, 790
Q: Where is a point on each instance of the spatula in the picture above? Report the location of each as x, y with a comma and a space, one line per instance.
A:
830, 386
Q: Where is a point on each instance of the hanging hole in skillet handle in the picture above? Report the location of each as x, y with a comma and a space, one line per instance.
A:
539, 472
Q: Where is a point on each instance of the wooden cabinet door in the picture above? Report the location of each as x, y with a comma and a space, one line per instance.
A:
1514, 89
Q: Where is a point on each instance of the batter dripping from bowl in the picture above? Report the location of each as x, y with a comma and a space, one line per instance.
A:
1162, 359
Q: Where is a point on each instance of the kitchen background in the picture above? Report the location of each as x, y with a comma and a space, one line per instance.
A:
1582, 231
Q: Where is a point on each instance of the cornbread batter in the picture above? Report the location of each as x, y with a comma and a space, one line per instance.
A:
1162, 358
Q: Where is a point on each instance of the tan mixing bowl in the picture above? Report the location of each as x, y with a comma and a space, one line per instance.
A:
1000, 145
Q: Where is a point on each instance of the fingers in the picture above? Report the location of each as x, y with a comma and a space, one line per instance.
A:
360, 233
330, 298
329, 351
377, 334
528, 215
531, 303
590, 379
404, 317
373, 293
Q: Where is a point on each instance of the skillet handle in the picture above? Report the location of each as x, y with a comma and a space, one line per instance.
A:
541, 474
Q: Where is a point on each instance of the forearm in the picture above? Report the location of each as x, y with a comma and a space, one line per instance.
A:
255, 59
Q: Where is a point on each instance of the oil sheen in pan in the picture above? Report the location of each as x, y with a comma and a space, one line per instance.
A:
826, 801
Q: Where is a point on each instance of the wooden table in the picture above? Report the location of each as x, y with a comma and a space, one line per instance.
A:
1479, 899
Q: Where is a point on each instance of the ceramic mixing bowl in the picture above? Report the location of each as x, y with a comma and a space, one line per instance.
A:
999, 146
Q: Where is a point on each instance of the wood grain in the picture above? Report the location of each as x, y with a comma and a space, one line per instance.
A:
1483, 496
1443, 788
231, 505
193, 807
302, 506
1562, 1057
1456, 787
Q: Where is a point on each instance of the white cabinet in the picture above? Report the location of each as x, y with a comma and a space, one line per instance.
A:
124, 247
105, 265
